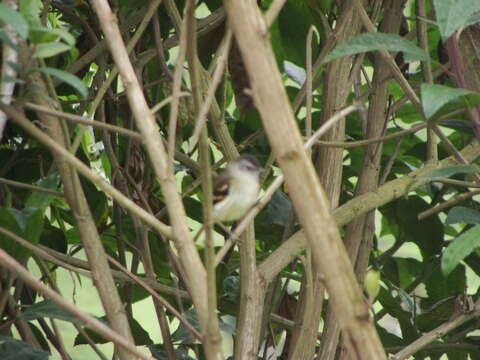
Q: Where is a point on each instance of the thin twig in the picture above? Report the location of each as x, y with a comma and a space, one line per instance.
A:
151, 11
273, 11
9, 56
30, 187
391, 161
216, 79
95, 178
451, 148
308, 118
176, 90
77, 265
213, 339
89, 320
422, 36
166, 101
83, 120
352, 144
436, 333
459, 183
160, 298
41, 252
446, 204
159, 47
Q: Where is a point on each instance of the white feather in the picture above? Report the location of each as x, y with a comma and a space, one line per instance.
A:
242, 194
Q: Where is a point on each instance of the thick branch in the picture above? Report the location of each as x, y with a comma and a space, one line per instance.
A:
360, 205
195, 275
308, 197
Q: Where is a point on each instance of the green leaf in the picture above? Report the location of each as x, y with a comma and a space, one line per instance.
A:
15, 20
435, 315
449, 171
41, 200
54, 238
228, 324
70, 79
49, 49
440, 286
12, 349
40, 336
140, 336
397, 305
9, 222
402, 217
48, 309
231, 288
158, 351
182, 334
454, 14
54, 34
435, 96
459, 248
294, 20
460, 214
6, 39
34, 225
376, 41
31, 9
278, 209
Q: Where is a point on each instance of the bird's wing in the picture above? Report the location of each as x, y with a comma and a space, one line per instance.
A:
220, 188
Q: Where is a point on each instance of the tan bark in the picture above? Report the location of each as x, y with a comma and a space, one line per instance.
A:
307, 194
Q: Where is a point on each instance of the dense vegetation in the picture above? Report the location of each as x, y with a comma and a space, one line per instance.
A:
114, 116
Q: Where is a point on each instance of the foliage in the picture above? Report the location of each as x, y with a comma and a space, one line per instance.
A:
425, 272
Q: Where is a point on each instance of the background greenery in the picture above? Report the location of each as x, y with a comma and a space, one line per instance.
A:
429, 266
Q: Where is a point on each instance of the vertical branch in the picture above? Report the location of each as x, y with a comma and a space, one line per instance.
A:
309, 200
89, 320
176, 87
361, 230
220, 129
252, 296
308, 118
142, 231
432, 151
329, 161
459, 70
9, 56
76, 199
195, 275
213, 339
216, 79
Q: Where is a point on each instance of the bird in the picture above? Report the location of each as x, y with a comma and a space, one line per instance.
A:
236, 190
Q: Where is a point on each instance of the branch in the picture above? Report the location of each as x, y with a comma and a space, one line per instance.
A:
65, 261
437, 333
29, 187
83, 120
352, 144
446, 204
359, 205
305, 189
83, 169
195, 275
163, 301
8, 73
89, 320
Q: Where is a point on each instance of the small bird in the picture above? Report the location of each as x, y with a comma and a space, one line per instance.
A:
235, 191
